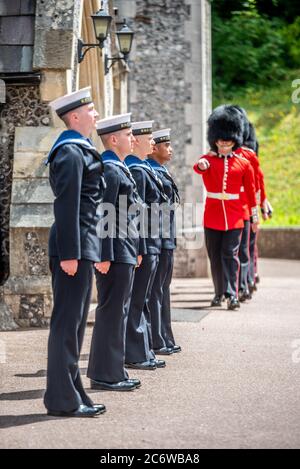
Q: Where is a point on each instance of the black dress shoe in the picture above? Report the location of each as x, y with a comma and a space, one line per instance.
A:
244, 295
164, 351
158, 363
217, 300
120, 386
252, 287
135, 381
176, 348
233, 303
141, 365
82, 411
100, 407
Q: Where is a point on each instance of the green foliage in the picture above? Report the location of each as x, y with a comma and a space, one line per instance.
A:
291, 36
250, 47
287, 10
247, 49
277, 122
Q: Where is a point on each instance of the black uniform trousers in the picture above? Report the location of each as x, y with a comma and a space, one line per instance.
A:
159, 303
71, 298
138, 334
223, 249
107, 355
166, 320
253, 257
244, 256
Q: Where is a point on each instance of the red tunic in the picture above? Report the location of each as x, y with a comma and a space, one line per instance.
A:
251, 156
263, 194
223, 181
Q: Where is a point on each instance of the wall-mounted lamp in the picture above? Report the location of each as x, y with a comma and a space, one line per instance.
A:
102, 23
125, 38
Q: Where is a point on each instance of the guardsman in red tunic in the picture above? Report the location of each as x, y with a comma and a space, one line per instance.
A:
247, 151
266, 210
224, 173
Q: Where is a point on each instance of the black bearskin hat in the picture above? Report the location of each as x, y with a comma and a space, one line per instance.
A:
225, 123
245, 121
249, 134
251, 141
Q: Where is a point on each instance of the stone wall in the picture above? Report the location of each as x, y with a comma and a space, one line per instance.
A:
27, 292
26, 197
158, 89
170, 82
279, 243
23, 108
26, 204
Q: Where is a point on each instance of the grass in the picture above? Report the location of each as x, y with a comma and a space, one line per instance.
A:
277, 122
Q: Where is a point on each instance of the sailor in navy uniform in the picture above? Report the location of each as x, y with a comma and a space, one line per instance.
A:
76, 178
139, 353
159, 304
119, 258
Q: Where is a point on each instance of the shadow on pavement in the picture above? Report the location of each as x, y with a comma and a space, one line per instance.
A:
22, 395
42, 374
38, 374
7, 421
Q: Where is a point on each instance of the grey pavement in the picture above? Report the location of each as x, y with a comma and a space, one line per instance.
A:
235, 384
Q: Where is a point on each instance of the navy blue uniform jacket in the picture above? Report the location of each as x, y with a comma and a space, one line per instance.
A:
150, 190
171, 190
122, 244
76, 179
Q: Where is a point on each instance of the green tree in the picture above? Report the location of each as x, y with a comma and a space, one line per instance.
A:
248, 49
285, 9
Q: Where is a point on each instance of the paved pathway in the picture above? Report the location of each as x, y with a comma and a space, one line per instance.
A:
235, 385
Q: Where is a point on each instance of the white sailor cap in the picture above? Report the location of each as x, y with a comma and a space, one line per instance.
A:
72, 101
142, 128
113, 124
161, 136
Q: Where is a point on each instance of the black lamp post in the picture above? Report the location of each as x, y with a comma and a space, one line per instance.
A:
102, 23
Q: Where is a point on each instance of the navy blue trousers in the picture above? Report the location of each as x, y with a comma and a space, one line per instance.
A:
253, 257
244, 256
159, 303
107, 355
71, 300
138, 334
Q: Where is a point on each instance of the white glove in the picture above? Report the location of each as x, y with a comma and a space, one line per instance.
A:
267, 210
270, 209
203, 164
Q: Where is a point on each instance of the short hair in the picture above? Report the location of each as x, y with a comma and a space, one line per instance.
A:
66, 119
105, 138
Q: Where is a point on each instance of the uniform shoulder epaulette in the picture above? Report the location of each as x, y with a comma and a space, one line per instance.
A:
241, 157
248, 149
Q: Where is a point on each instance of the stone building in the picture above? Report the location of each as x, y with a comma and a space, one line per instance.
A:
169, 81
